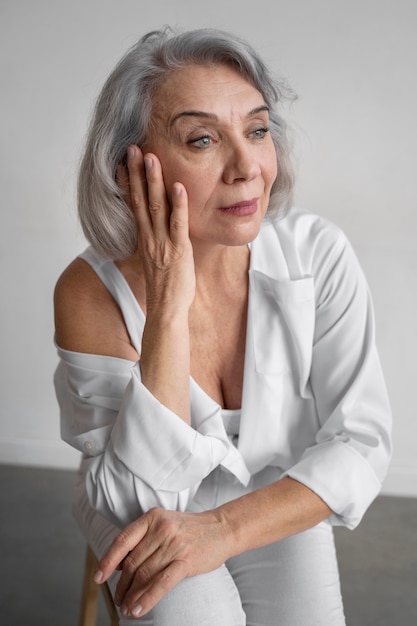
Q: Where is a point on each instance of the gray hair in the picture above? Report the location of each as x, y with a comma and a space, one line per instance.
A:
122, 117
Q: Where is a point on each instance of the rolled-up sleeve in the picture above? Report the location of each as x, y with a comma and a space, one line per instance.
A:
137, 453
350, 458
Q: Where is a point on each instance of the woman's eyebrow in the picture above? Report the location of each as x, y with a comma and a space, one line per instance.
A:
204, 114
212, 116
263, 107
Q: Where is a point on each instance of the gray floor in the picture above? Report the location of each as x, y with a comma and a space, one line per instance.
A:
42, 556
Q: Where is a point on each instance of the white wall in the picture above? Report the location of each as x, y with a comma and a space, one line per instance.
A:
354, 67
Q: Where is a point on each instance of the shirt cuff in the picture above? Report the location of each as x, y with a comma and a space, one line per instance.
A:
341, 477
164, 451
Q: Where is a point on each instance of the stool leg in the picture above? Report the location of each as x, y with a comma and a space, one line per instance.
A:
111, 609
89, 598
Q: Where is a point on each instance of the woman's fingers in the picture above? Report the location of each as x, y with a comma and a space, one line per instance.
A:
129, 570
150, 557
158, 208
142, 598
139, 564
160, 221
124, 543
147, 194
138, 188
178, 223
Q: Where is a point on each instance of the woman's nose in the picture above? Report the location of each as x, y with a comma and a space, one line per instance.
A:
240, 164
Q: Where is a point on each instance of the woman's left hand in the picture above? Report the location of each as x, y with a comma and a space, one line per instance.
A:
160, 549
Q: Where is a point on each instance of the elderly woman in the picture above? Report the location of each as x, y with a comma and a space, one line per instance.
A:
218, 367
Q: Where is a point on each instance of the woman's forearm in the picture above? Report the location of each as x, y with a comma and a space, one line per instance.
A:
165, 361
270, 514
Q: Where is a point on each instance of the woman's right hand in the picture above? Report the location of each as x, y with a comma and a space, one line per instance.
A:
163, 238
166, 254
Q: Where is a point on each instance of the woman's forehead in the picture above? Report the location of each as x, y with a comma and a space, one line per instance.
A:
204, 88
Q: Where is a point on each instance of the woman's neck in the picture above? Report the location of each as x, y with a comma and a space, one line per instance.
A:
221, 267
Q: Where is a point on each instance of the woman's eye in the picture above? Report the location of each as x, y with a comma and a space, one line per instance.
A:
201, 142
260, 133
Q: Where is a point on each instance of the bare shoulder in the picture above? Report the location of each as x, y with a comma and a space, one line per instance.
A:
87, 318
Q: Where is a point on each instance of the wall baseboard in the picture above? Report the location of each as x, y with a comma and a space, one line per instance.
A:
401, 480
38, 453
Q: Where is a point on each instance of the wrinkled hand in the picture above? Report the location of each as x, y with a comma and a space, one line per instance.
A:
159, 550
163, 230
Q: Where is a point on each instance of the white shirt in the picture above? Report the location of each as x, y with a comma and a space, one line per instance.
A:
314, 402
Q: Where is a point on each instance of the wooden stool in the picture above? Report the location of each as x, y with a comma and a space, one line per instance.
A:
89, 599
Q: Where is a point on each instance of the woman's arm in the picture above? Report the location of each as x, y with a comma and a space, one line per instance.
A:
162, 548
166, 257
87, 319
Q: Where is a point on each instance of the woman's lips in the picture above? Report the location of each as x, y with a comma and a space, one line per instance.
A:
247, 207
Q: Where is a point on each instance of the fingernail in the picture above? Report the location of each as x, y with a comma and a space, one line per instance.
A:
176, 190
131, 151
148, 163
137, 610
98, 576
123, 610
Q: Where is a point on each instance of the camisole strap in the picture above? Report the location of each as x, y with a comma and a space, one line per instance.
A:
115, 282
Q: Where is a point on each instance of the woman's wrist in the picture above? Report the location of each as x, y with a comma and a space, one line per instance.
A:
165, 360
166, 312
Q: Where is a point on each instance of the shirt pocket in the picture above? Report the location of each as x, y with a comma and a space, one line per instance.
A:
281, 317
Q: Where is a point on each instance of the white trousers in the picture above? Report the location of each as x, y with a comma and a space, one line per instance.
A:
294, 582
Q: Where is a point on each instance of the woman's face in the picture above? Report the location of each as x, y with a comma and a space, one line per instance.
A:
210, 131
